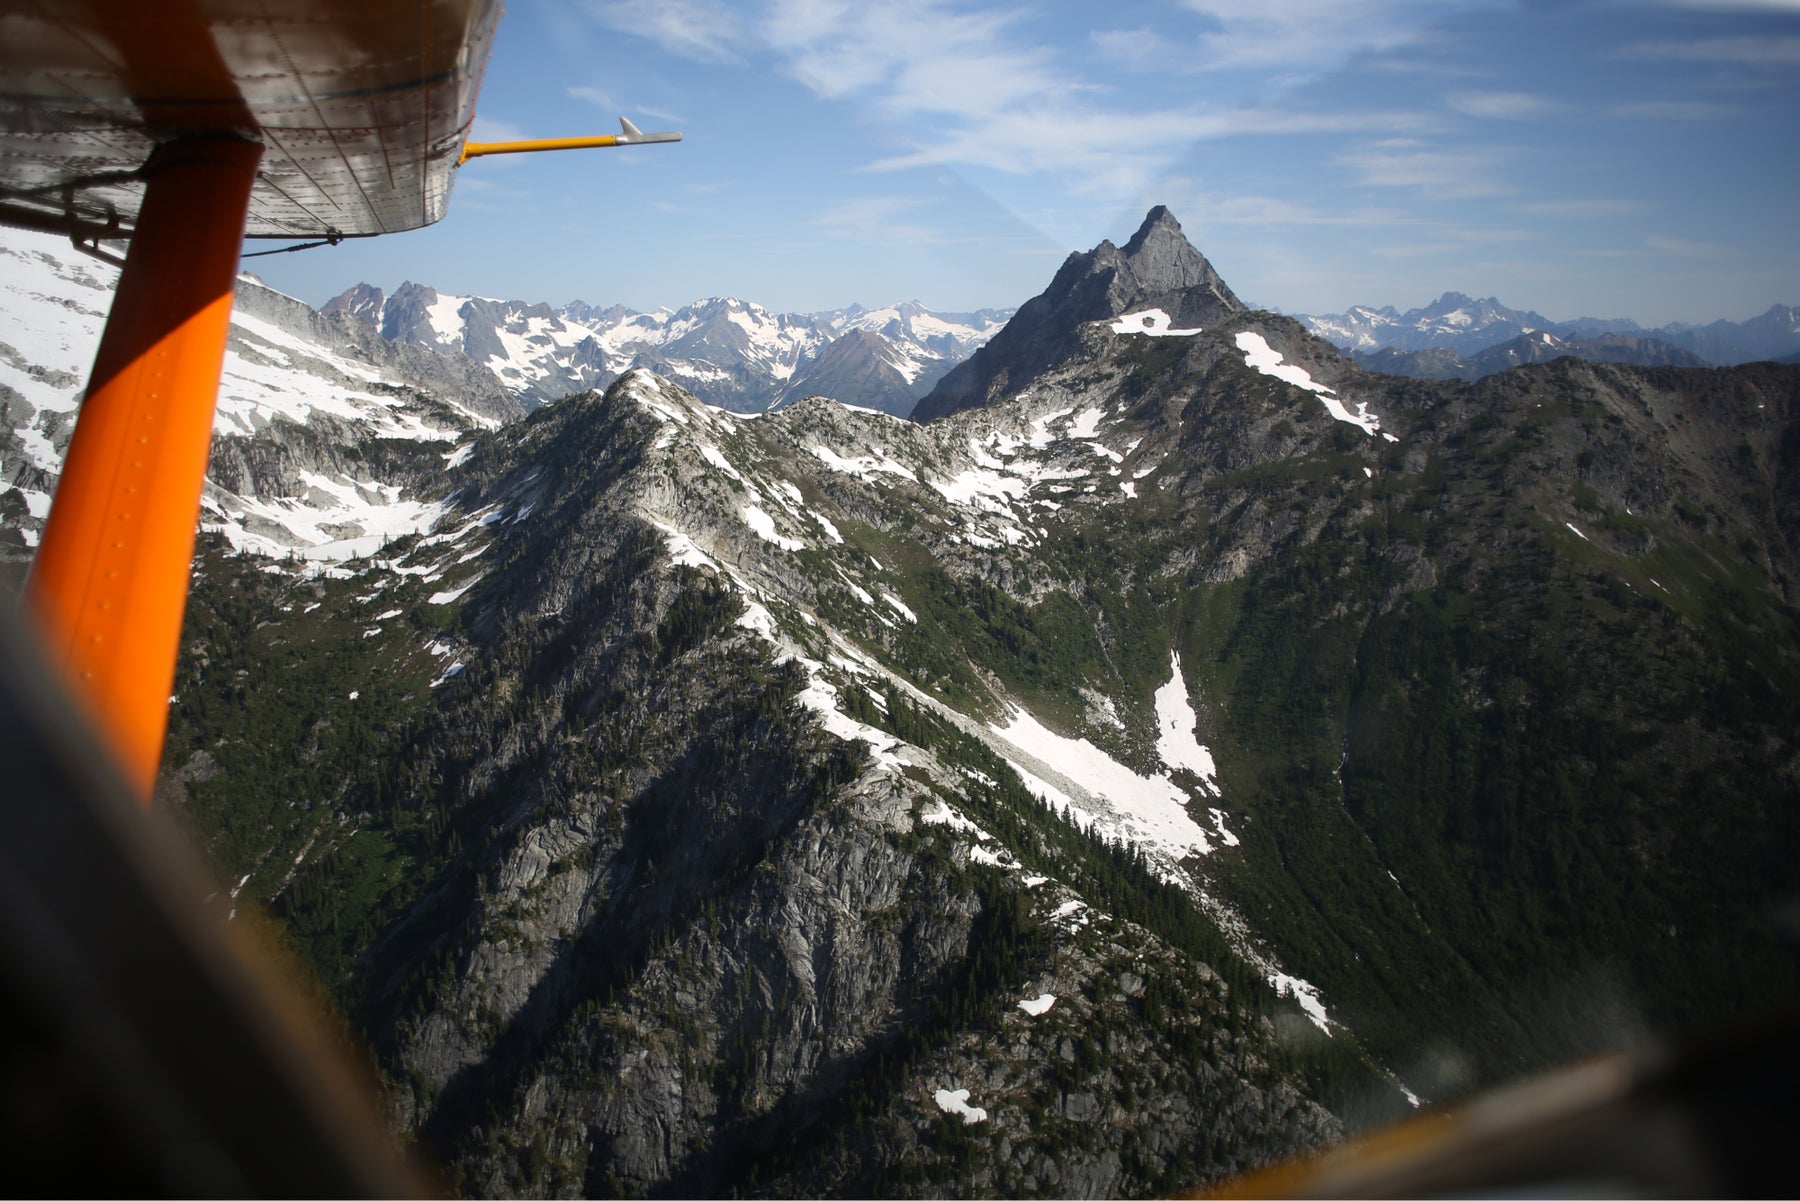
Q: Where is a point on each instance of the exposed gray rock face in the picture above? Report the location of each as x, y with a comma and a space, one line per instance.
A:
361, 300
863, 366
1160, 261
1158, 268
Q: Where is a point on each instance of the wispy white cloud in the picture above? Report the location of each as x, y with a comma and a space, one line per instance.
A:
1140, 49
1671, 110
1437, 174
1502, 106
707, 30
913, 60
1441, 246
491, 129
605, 102
1109, 154
1201, 208
1305, 35
966, 87
876, 221
1744, 6
593, 96
1687, 249
1736, 51
1583, 208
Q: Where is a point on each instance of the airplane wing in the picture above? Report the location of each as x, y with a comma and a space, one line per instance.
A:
361, 106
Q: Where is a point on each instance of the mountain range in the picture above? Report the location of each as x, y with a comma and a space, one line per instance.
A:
1539, 347
1467, 326
1186, 747
728, 352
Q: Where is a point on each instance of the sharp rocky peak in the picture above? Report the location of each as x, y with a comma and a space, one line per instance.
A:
1162, 259
1158, 268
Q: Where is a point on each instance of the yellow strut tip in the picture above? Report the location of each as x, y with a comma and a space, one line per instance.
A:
629, 135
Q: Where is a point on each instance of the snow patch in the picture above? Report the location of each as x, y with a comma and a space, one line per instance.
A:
957, 1101
1225, 836
763, 526
900, 608
1175, 725
1040, 1006
1154, 322
1306, 994
445, 316
1086, 424
1260, 356
944, 815
1149, 810
682, 549
451, 594
711, 454
831, 531
863, 467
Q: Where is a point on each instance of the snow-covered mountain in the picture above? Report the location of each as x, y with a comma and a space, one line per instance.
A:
729, 352
311, 390
1458, 322
1468, 327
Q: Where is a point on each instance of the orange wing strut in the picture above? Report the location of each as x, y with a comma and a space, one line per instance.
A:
110, 580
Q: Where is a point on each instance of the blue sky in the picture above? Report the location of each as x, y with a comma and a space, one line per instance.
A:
1635, 158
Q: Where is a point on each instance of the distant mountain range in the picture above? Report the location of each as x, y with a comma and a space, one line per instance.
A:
728, 352
1539, 347
1468, 327
747, 358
